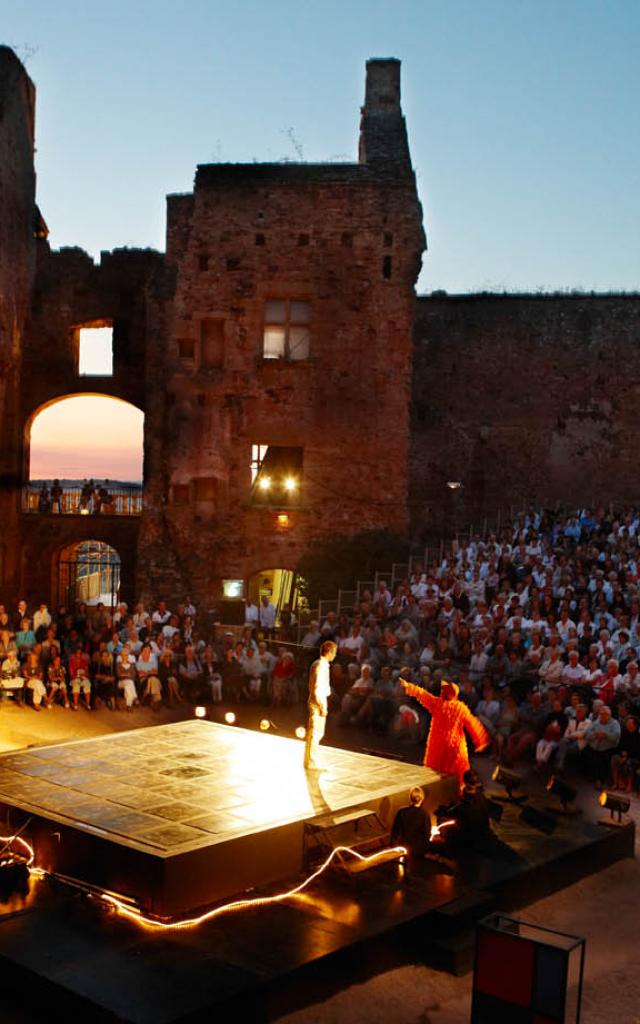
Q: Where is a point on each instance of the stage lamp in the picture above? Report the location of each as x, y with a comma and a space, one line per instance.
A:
614, 804
290, 483
200, 712
511, 781
301, 732
266, 724
230, 717
264, 483
565, 793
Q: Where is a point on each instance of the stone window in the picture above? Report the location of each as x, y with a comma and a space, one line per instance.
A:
180, 494
203, 262
186, 348
260, 239
205, 488
386, 268
211, 343
388, 240
95, 350
303, 239
286, 329
277, 480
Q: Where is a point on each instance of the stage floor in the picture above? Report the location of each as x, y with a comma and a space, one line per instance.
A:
179, 815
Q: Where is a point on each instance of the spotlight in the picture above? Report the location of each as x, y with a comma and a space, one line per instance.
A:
264, 483
266, 724
230, 717
538, 819
200, 712
618, 804
565, 793
454, 485
301, 732
510, 780
290, 483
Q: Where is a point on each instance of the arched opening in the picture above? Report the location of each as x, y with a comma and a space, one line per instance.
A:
83, 454
280, 586
86, 572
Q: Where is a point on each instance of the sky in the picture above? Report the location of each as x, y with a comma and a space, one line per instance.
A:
522, 119
87, 436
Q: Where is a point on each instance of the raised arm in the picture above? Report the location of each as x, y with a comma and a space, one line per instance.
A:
423, 697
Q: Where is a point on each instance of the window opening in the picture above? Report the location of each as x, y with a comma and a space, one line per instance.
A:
95, 352
276, 475
286, 329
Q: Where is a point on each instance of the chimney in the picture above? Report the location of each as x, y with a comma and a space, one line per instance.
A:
383, 133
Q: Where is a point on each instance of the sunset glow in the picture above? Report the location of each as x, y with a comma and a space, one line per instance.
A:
87, 436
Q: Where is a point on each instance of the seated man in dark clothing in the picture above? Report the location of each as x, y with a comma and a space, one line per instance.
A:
470, 818
412, 825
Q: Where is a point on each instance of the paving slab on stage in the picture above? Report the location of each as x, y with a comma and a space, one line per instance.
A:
178, 816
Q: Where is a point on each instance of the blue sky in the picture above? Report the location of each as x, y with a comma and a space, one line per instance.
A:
522, 118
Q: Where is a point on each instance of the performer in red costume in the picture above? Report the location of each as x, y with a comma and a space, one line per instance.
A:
446, 749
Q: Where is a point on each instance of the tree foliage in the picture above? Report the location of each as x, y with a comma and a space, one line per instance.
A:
339, 562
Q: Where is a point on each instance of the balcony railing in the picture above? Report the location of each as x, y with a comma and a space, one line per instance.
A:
106, 499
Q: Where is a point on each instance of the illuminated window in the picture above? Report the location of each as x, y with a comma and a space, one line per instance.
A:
258, 452
95, 352
276, 475
286, 329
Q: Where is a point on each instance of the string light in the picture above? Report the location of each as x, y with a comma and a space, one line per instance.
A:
133, 913
136, 915
437, 829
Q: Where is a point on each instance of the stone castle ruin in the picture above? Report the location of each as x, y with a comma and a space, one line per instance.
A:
293, 387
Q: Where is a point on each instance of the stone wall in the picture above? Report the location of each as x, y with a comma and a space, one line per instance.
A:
346, 239
18, 226
522, 399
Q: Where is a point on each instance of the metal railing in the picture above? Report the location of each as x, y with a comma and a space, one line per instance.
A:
104, 499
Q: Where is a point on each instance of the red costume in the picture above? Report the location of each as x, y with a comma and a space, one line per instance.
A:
446, 749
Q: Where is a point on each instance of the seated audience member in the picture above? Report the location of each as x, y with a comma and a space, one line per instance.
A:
412, 825
603, 737
125, 676
12, 679
573, 741
356, 697
80, 683
104, 680
190, 673
168, 679
626, 760
57, 682
32, 675
148, 681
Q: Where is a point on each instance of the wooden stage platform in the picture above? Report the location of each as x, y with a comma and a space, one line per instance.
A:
180, 816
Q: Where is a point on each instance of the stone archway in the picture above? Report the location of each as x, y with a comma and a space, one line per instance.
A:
88, 572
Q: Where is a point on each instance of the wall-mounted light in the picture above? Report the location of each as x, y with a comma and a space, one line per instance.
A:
200, 712
282, 520
264, 483
454, 485
230, 718
290, 484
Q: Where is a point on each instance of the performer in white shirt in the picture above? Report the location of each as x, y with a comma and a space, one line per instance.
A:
319, 690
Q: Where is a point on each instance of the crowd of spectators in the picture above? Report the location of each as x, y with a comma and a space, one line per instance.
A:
539, 625
92, 656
